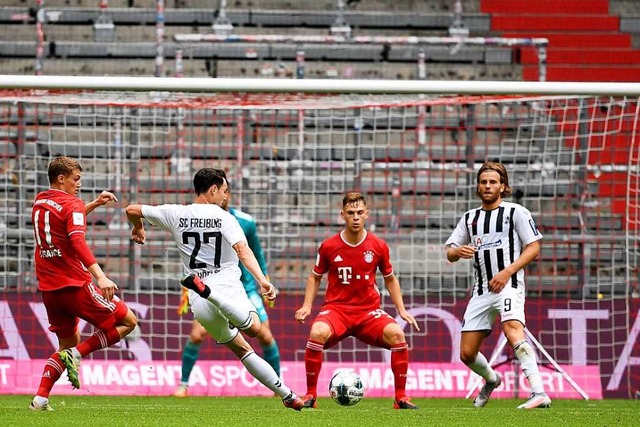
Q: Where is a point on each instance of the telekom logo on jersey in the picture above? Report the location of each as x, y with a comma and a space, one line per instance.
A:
344, 273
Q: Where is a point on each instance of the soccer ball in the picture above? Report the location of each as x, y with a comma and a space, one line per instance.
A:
346, 388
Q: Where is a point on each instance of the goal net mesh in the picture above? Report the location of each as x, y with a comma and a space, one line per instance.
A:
573, 162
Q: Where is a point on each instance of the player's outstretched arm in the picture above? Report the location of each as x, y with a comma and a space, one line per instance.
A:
248, 259
310, 292
134, 215
393, 286
104, 198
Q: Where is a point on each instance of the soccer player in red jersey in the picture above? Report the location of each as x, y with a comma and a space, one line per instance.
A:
65, 267
352, 304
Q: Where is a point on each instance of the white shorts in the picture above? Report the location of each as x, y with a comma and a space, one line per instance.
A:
482, 310
212, 319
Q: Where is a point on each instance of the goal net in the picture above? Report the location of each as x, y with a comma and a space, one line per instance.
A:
573, 162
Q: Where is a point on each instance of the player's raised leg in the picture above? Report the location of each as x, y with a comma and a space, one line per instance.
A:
237, 316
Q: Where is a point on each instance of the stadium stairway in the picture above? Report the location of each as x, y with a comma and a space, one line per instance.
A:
585, 40
585, 44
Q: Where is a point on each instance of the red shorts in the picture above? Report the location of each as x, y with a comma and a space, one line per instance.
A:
367, 326
66, 305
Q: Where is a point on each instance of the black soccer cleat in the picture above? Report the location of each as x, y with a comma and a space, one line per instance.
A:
194, 283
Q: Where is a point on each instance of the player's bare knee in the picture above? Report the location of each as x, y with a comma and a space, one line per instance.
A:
130, 322
320, 332
393, 335
467, 357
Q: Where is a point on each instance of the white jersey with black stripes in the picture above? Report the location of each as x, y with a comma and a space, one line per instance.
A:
499, 235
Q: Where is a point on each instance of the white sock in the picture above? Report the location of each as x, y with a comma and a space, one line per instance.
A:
40, 401
76, 353
529, 365
481, 367
264, 373
239, 317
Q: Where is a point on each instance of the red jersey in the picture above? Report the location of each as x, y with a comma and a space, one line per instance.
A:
56, 216
352, 270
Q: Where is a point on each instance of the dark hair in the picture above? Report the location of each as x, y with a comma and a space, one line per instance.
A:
353, 197
206, 178
62, 166
501, 170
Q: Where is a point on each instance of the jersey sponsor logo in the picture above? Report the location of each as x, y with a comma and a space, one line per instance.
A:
482, 244
532, 224
368, 257
338, 258
78, 218
344, 274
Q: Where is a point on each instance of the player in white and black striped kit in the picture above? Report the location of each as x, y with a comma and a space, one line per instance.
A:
211, 243
501, 238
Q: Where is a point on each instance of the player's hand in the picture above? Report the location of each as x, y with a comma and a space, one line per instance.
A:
107, 287
499, 281
138, 235
105, 197
269, 291
302, 313
466, 251
408, 317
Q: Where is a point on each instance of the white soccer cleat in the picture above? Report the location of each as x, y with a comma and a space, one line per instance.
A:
483, 397
35, 406
537, 400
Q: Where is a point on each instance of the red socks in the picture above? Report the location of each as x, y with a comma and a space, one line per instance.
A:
97, 341
52, 371
399, 367
312, 364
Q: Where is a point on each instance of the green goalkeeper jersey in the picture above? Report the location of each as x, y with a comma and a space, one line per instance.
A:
250, 229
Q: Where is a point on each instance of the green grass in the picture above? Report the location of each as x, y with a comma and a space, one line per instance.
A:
95, 411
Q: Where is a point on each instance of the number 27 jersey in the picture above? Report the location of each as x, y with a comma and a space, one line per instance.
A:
352, 270
205, 235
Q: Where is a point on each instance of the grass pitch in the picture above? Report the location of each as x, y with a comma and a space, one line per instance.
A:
108, 411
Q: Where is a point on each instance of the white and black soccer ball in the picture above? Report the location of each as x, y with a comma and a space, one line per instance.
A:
346, 388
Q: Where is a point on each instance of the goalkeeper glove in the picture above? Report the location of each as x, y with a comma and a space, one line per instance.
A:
270, 303
183, 307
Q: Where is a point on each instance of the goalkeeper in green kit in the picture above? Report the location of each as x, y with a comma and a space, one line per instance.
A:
270, 350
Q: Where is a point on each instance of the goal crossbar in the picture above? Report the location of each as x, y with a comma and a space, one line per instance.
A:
440, 87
